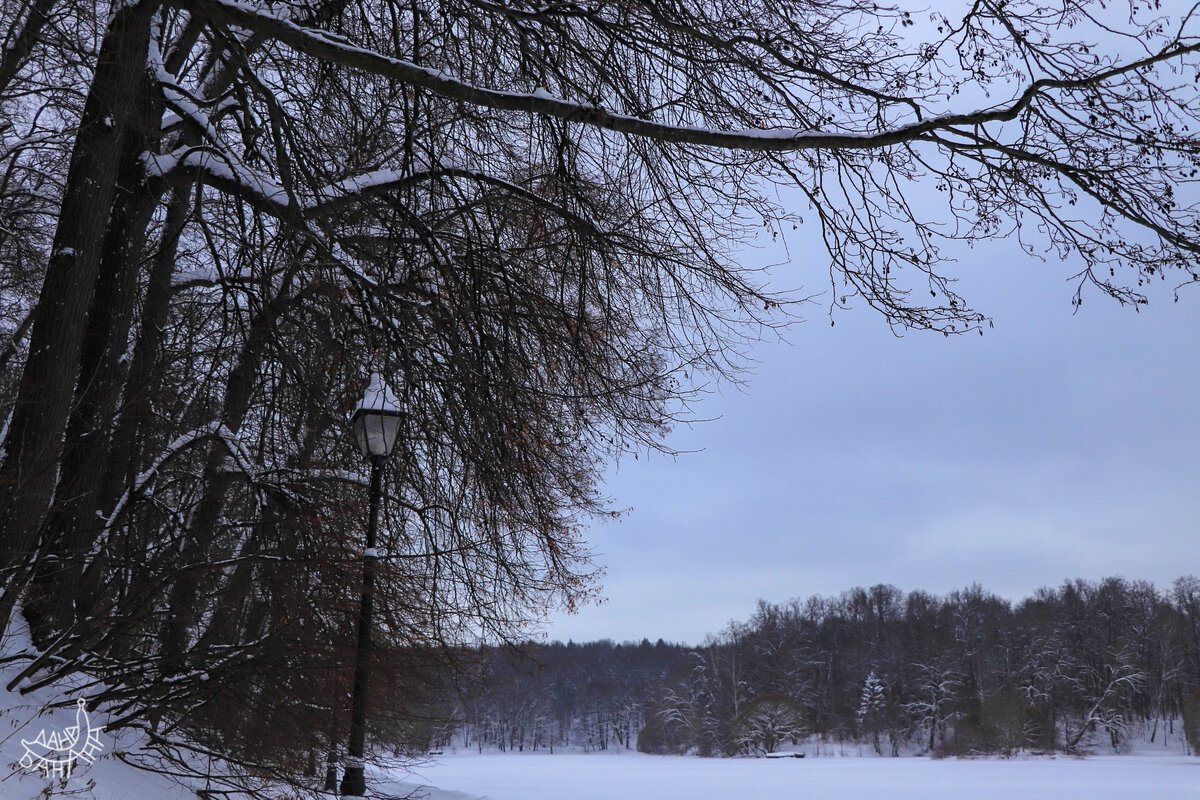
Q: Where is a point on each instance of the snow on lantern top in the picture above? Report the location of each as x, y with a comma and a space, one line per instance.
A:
376, 421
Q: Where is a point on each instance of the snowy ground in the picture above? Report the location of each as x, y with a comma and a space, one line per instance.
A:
630, 775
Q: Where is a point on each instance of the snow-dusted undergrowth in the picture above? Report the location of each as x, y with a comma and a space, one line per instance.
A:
52, 712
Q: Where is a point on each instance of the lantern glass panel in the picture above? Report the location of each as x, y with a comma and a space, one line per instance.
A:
375, 431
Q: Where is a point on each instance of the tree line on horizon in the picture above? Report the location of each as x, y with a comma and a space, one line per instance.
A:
1082, 665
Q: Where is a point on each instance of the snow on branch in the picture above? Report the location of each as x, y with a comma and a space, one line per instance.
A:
335, 196
142, 482
335, 49
223, 171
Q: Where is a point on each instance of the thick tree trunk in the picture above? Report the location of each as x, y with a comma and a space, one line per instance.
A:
96, 468
108, 139
72, 522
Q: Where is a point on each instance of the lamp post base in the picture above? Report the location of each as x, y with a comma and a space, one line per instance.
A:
353, 782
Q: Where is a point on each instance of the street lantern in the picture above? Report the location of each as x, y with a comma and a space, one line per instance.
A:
376, 423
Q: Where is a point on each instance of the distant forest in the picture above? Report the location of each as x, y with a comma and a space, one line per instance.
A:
1078, 666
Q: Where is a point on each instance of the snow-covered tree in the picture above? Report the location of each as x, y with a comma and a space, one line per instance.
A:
872, 709
768, 721
932, 705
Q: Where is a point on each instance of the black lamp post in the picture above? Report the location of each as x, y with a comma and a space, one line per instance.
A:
375, 423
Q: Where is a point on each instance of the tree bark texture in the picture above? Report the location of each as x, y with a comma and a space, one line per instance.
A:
107, 148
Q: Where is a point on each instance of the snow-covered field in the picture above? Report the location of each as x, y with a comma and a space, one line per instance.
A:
630, 776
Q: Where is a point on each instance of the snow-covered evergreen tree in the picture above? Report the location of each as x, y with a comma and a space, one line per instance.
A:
872, 709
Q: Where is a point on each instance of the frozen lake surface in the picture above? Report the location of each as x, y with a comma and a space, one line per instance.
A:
631, 776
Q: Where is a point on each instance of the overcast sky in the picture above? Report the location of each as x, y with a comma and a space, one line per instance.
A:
1059, 445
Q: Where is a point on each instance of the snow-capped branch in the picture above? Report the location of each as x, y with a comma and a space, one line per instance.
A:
142, 482
355, 188
330, 47
225, 172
